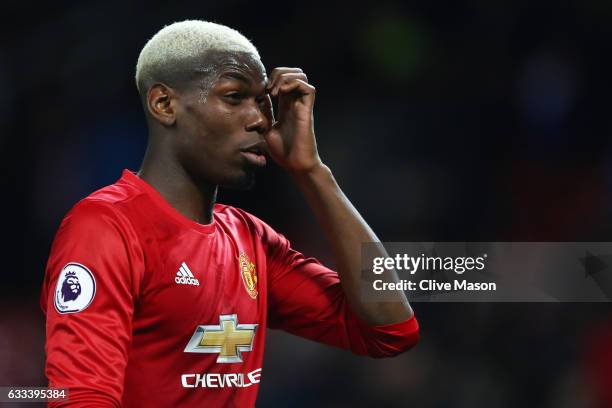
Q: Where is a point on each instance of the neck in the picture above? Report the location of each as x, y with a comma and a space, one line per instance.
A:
192, 199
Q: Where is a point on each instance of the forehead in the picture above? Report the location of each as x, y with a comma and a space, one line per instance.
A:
228, 64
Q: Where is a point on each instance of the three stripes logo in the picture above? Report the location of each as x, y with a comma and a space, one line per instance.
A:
185, 277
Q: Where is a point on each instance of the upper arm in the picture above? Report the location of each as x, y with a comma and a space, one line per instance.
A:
91, 282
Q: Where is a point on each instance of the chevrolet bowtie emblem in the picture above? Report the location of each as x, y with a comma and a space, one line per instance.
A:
229, 339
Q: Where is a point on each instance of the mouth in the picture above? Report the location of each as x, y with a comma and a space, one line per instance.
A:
255, 154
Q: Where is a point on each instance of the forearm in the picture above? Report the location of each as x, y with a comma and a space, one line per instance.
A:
346, 231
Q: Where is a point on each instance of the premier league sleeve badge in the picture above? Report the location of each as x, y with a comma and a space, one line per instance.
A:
75, 288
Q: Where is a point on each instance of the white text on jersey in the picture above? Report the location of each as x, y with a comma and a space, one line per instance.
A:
185, 277
210, 380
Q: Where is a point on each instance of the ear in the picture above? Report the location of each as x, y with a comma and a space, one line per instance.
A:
161, 103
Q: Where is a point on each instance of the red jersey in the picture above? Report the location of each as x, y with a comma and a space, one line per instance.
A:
147, 308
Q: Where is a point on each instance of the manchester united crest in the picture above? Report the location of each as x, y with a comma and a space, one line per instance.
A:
249, 275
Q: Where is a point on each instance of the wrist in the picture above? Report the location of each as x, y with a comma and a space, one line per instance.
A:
317, 171
315, 182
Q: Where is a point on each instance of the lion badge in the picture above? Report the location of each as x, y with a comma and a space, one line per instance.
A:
75, 288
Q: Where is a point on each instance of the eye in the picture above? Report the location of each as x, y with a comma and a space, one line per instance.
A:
234, 97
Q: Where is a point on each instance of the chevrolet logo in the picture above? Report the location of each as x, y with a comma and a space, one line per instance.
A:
229, 339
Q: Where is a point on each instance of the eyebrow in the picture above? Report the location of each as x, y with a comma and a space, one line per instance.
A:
237, 76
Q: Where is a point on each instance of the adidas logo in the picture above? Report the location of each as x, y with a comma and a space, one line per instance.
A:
185, 277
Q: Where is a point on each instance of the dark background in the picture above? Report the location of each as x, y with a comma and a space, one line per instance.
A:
472, 120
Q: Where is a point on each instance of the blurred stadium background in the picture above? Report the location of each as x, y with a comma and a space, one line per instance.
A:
446, 120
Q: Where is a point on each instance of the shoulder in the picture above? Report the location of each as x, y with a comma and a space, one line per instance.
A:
93, 221
103, 210
117, 193
108, 205
94, 229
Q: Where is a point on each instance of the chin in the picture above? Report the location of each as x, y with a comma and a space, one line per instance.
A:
244, 182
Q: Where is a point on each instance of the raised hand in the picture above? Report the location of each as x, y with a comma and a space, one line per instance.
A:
291, 140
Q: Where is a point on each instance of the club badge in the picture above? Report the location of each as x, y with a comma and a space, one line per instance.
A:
249, 275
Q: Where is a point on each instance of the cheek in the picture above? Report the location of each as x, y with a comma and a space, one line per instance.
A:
221, 128
212, 140
214, 154
215, 115
201, 126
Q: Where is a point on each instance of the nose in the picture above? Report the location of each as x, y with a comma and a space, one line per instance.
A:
260, 118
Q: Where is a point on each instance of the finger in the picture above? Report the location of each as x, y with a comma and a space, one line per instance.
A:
277, 72
286, 78
268, 109
300, 86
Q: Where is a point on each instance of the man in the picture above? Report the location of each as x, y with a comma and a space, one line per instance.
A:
176, 291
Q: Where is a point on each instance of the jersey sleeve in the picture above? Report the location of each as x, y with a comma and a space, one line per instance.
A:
306, 298
90, 286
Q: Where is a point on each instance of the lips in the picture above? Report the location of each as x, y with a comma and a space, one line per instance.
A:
255, 154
